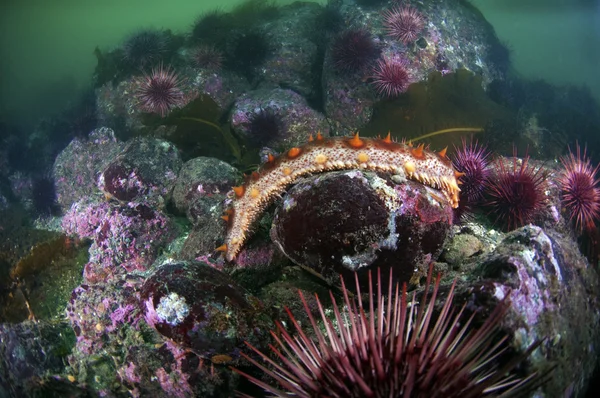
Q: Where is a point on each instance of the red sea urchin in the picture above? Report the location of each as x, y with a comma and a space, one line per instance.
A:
390, 77
403, 23
390, 348
160, 91
516, 195
580, 192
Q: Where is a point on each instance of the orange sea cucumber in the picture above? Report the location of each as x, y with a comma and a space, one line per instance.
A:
339, 153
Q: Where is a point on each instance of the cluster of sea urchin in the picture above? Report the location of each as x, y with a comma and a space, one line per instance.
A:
390, 348
580, 192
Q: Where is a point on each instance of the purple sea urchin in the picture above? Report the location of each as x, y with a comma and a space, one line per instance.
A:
389, 348
207, 57
265, 125
144, 48
516, 194
354, 51
403, 23
160, 91
580, 192
472, 160
390, 77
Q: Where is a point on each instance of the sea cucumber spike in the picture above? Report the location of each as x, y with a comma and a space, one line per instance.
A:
356, 142
222, 248
294, 152
254, 175
270, 158
388, 138
442, 153
418, 151
458, 174
239, 191
336, 153
319, 136
225, 217
310, 138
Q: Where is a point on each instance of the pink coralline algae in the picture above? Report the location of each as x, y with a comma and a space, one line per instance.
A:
97, 312
124, 237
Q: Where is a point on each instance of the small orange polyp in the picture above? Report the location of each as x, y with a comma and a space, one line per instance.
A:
418, 151
356, 142
239, 191
294, 153
388, 138
222, 248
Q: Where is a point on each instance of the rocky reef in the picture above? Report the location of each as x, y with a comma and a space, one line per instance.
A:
224, 194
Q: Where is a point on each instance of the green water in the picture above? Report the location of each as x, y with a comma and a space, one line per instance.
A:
46, 47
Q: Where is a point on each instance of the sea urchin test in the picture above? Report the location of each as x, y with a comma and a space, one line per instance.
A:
340, 153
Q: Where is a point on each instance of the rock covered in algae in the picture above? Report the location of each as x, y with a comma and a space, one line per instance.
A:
124, 237
202, 178
283, 118
349, 221
32, 355
201, 308
145, 171
77, 167
551, 290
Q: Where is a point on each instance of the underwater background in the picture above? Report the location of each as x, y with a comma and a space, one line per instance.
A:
342, 198
46, 57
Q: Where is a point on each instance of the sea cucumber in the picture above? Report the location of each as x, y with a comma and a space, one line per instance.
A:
338, 153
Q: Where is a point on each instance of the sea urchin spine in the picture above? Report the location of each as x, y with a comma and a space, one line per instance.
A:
390, 348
